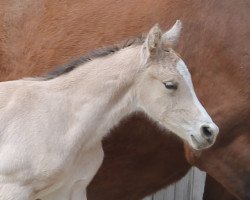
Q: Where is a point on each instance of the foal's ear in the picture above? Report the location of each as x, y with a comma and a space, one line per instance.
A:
153, 41
170, 38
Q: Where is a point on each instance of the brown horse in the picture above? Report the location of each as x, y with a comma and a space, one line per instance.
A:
214, 190
36, 36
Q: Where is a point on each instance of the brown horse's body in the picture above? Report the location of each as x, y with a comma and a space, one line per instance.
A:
36, 36
214, 190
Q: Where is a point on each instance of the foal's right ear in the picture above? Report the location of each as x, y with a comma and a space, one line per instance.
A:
170, 38
153, 41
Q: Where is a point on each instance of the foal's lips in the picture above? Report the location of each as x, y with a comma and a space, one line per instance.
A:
200, 144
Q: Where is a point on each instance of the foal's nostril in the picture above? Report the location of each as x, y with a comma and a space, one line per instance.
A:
207, 132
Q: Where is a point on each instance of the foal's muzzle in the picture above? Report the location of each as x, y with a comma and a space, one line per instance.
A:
206, 137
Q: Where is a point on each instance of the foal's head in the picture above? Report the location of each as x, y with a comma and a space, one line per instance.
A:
166, 93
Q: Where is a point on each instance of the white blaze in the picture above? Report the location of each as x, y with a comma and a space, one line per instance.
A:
183, 70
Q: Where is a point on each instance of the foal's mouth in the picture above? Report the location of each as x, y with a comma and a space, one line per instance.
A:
199, 145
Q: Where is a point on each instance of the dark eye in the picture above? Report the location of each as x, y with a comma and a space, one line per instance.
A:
171, 85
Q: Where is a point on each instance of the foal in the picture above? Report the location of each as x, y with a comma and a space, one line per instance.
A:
51, 128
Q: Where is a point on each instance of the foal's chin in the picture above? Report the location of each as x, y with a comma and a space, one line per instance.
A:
200, 144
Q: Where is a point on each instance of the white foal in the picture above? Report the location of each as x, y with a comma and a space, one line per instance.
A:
51, 128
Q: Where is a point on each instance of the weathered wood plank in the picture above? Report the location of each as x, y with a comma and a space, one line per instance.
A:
190, 187
167, 193
198, 184
148, 198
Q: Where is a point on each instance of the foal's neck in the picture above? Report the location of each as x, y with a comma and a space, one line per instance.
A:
112, 71
103, 90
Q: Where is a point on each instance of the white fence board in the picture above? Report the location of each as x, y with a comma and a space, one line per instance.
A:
190, 187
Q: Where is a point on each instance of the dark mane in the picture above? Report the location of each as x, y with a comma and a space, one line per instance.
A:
90, 56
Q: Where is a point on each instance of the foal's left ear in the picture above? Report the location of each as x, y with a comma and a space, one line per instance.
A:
170, 38
153, 41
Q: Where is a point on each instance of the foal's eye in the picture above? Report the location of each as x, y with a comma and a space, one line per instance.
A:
171, 85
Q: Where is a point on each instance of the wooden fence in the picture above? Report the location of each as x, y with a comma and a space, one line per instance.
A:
190, 187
